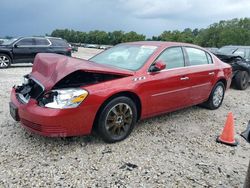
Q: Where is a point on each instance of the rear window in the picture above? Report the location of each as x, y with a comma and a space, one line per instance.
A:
197, 56
59, 42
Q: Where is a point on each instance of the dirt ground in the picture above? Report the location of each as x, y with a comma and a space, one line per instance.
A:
173, 150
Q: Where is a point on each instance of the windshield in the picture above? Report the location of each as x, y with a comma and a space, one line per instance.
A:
131, 57
7, 42
227, 50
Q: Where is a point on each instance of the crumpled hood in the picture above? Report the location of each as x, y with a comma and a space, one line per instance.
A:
48, 68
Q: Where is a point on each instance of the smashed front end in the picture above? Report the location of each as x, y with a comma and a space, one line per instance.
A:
238, 63
26, 106
54, 100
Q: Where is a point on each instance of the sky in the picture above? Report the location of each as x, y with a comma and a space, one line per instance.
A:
148, 17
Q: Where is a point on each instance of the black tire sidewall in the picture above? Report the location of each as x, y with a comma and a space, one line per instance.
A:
10, 60
210, 101
104, 112
238, 80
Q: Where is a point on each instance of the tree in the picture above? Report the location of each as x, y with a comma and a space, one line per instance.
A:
225, 32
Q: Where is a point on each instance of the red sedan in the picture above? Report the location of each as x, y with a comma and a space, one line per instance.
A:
65, 96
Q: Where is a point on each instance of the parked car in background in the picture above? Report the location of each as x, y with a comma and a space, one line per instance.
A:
243, 51
65, 96
74, 47
239, 58
92, 46
105, 47
24, 49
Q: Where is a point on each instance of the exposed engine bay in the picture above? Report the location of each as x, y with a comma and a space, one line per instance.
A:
82, 78
31, 88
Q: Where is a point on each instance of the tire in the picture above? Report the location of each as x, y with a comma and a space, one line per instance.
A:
216, 96
5, 61
117, 119
241, 80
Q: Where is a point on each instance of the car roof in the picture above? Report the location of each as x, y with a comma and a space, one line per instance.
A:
235, 46
162, 43
44, 37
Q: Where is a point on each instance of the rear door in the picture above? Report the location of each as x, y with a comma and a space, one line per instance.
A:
201, 73
41, 45
168, 89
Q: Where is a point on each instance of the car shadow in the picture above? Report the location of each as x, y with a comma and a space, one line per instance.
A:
94, 139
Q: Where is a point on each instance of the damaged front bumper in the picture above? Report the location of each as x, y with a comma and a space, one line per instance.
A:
24, 107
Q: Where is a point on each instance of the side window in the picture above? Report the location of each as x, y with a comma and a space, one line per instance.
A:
41, 42
196, 56
58, 42
240, 52
173, 57
26, 42
209, 58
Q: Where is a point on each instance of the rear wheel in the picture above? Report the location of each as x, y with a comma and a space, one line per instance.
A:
216, 96
5, 61
117, 119
241, 80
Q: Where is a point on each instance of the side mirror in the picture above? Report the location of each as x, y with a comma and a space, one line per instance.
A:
15, 45
157, 66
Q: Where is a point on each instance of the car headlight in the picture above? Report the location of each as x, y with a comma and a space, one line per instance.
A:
64, 98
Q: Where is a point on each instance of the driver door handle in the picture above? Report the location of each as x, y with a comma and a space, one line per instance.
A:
185, 78
211, 73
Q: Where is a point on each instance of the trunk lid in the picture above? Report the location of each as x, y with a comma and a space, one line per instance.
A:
48, 69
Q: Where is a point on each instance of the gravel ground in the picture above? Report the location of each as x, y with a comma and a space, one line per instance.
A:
173, 150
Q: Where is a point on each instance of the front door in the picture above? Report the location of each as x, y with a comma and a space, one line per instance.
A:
169, 88
23, 50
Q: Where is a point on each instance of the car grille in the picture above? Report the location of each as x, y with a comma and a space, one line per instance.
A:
56, 130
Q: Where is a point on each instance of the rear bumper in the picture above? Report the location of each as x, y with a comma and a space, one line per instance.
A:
54, 122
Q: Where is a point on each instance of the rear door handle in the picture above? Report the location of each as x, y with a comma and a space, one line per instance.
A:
211, 73
185, 78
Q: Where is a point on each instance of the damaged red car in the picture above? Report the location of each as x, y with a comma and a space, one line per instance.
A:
64, 96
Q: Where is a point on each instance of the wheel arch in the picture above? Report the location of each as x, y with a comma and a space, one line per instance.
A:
133, 96
7, 53
223, 80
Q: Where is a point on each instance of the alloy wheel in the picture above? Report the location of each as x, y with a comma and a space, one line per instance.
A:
4, 61
218, 95
119, 120
244, 80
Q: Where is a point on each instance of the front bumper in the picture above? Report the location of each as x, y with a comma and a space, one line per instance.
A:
54, 122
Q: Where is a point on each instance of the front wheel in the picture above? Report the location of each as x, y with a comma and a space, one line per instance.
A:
117, 119
5, 61
216, 96
241, 80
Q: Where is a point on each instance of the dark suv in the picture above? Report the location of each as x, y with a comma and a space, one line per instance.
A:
239, 58
24, 49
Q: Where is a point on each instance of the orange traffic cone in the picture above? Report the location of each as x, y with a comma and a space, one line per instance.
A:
227, 136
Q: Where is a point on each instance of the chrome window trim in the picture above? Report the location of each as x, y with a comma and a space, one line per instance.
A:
185, 66
166, 70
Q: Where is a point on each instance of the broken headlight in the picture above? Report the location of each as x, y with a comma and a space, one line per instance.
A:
64, 98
